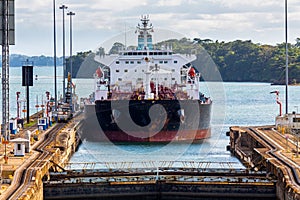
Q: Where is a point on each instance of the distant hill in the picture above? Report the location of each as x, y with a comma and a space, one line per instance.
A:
17, 60
83, 65
236, 60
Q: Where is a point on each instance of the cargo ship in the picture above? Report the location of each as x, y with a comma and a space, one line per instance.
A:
147, 94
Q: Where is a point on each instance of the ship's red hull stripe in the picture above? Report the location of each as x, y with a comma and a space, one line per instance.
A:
163, 136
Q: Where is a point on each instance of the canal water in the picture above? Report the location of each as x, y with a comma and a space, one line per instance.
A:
234, 103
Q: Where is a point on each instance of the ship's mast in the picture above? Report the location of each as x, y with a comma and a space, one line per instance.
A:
145, 42
145, 31
144, 38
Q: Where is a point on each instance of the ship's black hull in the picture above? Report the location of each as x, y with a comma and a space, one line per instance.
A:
147, 120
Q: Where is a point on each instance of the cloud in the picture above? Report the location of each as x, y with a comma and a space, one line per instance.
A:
95, 21
248, 5
169, 2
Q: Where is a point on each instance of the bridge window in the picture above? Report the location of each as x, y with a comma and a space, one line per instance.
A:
161, 62
138, 62
117, 70
117, 62
296, 119
175, 61
119, 79
165, 61
131, 62
126, 62
125, 70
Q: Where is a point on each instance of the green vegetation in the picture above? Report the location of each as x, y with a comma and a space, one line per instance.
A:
237, 60
84, 65
31, 123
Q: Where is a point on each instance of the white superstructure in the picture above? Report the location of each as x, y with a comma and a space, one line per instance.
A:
146, 70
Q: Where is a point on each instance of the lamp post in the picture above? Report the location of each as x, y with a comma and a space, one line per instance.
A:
54, 48
63, 7
70, 60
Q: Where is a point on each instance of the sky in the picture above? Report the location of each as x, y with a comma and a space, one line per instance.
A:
97, 21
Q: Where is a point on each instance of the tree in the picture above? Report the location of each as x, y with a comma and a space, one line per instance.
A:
117, 46
100, 51
297, 42
236, 60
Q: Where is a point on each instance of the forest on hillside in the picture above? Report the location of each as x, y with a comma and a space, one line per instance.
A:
236, 60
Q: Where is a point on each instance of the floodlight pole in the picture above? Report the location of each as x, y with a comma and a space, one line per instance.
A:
286, 60
63, 7
71, 60
54, 60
